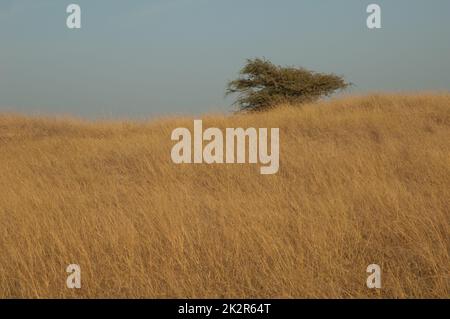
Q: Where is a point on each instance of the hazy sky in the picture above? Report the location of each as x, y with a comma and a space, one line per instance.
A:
145, 57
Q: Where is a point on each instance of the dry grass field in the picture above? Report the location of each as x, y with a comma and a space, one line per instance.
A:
362, 180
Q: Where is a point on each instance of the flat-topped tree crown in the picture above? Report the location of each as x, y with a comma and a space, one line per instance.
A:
262, 85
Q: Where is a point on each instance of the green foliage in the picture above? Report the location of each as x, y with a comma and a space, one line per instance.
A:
262, 85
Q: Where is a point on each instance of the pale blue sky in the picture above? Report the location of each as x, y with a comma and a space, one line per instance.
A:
150, 57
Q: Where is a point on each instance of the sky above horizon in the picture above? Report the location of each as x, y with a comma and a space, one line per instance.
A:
141, 58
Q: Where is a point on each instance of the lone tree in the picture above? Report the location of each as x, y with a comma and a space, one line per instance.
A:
262, 85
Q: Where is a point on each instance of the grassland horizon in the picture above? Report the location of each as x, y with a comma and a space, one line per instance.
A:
362, 180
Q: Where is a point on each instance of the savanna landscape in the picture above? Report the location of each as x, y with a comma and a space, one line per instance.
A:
362, 179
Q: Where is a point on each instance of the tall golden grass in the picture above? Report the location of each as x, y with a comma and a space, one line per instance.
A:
362, 180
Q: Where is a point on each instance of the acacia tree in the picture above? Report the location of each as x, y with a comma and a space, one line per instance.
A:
262, 85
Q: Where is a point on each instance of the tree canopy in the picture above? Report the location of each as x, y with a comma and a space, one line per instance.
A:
262, 85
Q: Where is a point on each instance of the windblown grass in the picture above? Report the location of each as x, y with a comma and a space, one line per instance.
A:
362, 180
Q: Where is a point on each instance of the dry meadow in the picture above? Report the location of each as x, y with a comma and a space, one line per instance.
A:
362, 180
